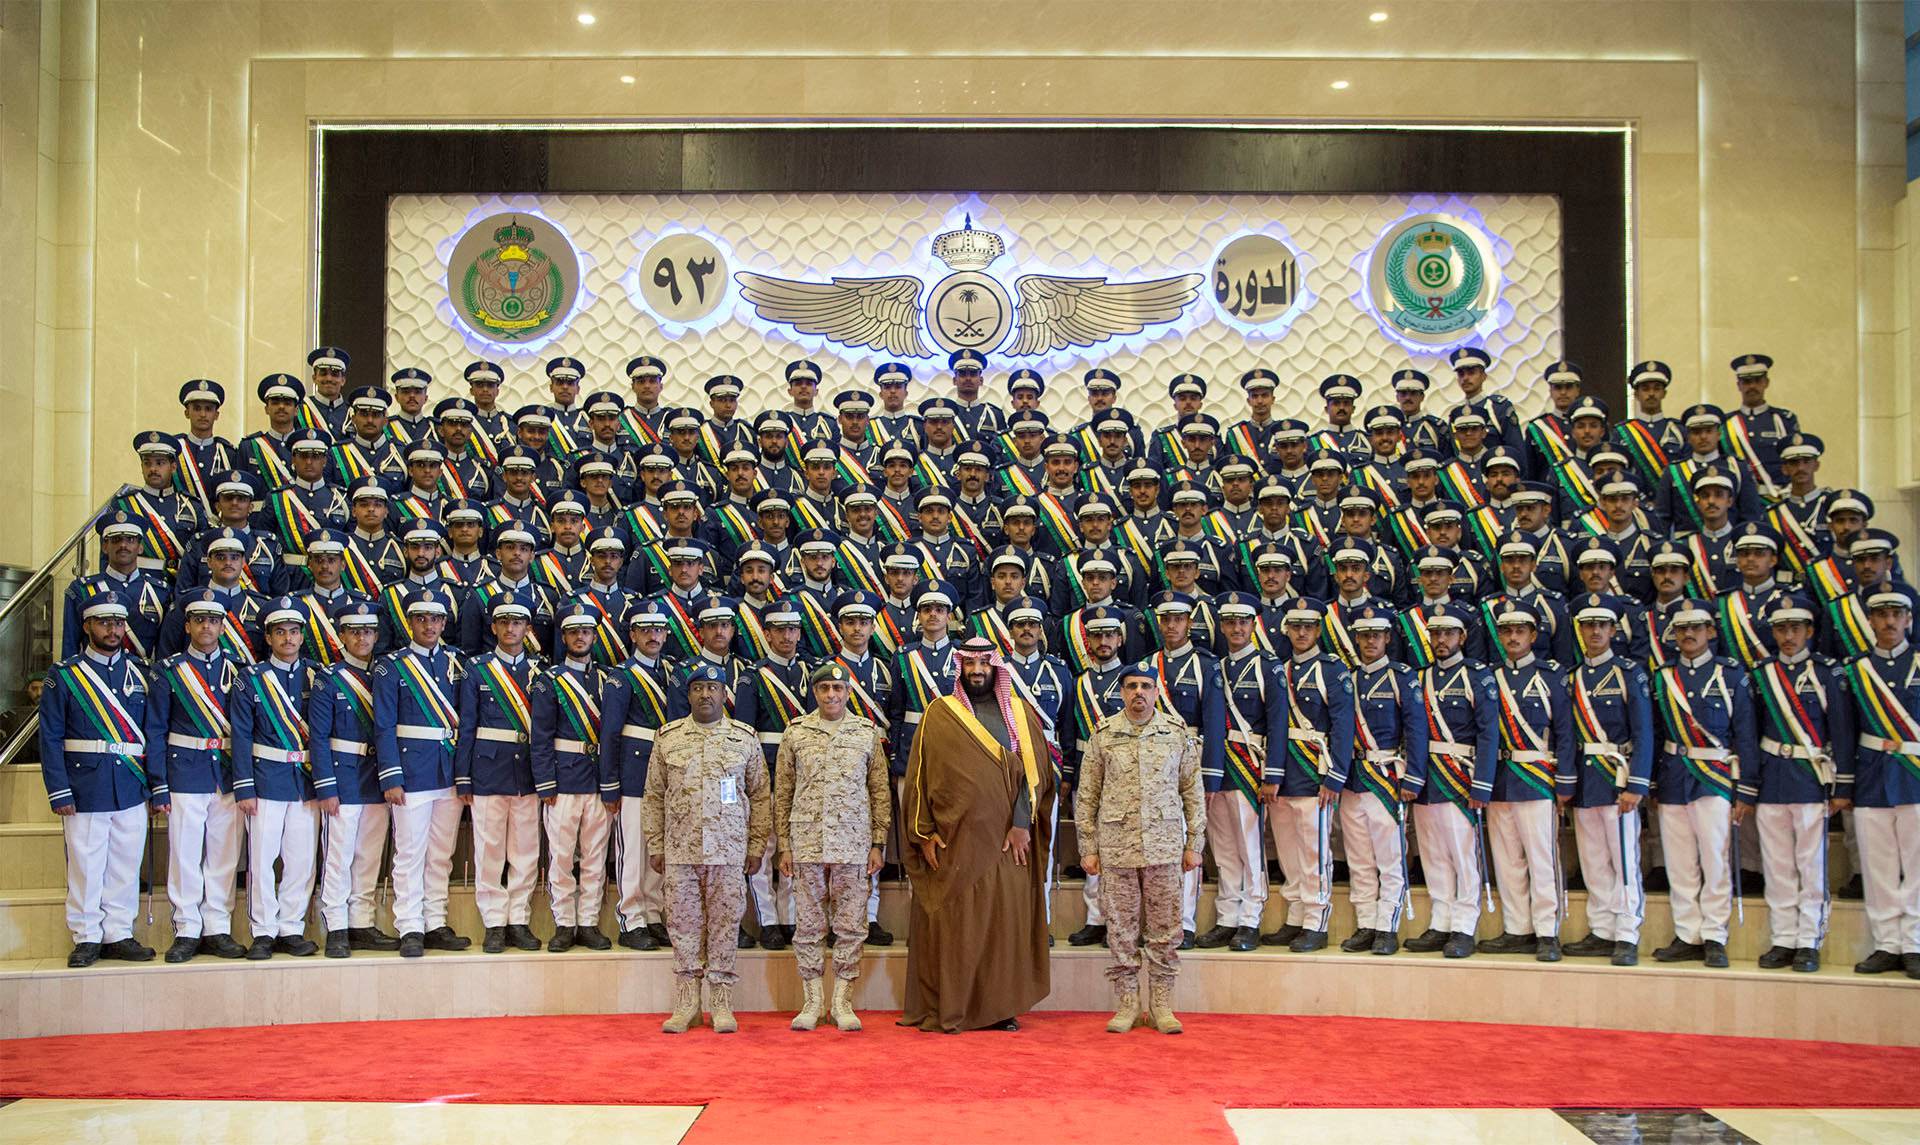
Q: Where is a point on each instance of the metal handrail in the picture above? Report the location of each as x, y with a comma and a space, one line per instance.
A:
26, 734
44, 574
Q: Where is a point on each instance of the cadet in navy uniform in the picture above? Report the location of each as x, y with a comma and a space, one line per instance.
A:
273, 783
781, 696
1608, 777
186, 722
1470, 371
1806, 727
1765, 427
1191, 689
203, 454
366, 450
1463, 752
565, 699
493, 775
1707, 729
325, 409
168, 518
1523, 822
145, 595
1304, 779
1553, 632
1884, 789
1389, 769
1255, 700
924, 670
226, 557
513, 547
416, 723
978, 418
635, 709
1096, 695
347, 784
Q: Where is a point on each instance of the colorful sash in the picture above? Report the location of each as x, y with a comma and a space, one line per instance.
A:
105, 714
1643, 448
1517, 735
189, 479
1308, 753
989, 623
752, 630
1171, 446
1885, 716
1457, 482
1016, 479
1243, 770
922, 688
1740, 628
642, 433
969, 531
233, 638
862, 701
1483, 525
1791, 717
427, 694
892, 522
1797, 546
1577, 484
1737, 436
816, 623
292, 518
1419, 642
1375, 775
1334, 634
644, 687
1680, 476
1586, 725
359, 572
1454, 772
359, 697
509, 695
1240, 441
323, 639
350, 463
268, 463
777, 698
1700, 568
887, 633
288, 726
579, 707
1371, 477
930, 474
681, 625
1407, 532
858, 571
609, 642
205, 704
1549, 439
1847, 617
1676, 707
161, 539
808, 513
734, 524
850, 468
548, 566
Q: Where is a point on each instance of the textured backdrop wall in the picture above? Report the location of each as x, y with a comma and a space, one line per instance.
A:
1327, 326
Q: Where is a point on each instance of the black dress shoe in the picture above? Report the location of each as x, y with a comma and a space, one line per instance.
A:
637, 939
222, 946
1853, 890
520, 936
591, 938
337, 944
1088, 935
1427, 941
444, 938
1459, 945
1910, 965
1879, 962
1625, 954
773, 938
1283, 936
1308, 942
183, 950
660, 936
1186, 940
1715, 954
562, 940
1547, 950
1245, 938
261, 950
127, 950
878, 935
745, 941
1215, 935
1509, 944
298, 945
1009, 1024
371, 938
494, 940
1359, 940
1806, 960
1678, 951
84, 954
1385, 942
413, 944
1776, 957
1592, 946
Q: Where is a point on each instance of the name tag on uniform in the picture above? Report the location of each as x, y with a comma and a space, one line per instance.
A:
729, 789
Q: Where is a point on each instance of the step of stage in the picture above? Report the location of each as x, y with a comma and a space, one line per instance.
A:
23, 795
44, 998
33, 921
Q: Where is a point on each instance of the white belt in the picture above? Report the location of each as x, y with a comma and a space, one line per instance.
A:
278, 755
1705, 753
103, 747
1890, 746
1382, 756
771, 739
636, 731
1307, 735
1438, 747
911, 717
576, 746
297, 560
1602, 747
196, 743
346, 747
1256, 742
1794, 750
420, 731
499, 735
150, 563
1529, 756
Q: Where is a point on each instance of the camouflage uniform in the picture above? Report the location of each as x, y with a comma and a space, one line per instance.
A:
704, 839
1138, 807
830, 808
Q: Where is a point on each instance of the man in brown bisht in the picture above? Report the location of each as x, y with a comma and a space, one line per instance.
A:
979, 793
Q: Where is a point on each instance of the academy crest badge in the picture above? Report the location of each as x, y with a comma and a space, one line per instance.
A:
1432, 279
513, 278
969, 309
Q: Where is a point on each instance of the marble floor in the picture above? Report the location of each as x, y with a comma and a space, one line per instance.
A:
115, 1122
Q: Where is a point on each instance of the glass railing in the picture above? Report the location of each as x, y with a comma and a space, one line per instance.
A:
32, 635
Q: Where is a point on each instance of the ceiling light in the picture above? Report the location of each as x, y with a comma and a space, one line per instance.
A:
1377, 18
626, 79
1339, 85
586, 19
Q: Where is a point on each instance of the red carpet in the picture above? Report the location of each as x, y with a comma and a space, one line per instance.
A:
1062, 1077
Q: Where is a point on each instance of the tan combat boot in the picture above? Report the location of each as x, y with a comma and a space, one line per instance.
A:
686, 1006
843, 1015
1127, 1015
813, 1002
1160, 1005
720, 1008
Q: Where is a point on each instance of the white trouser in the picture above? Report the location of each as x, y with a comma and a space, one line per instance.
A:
1090, 895
1450, 856
642, 889
424, 830
355, 838
1233, 834
204, 831
506, 857
1301, 829
1890, 865
771, 905
1046, 884
1701, 889
1376, 875
1190, 899
1523, 836
289, 832
1609, 845
103, 872
577, 824
1793, 852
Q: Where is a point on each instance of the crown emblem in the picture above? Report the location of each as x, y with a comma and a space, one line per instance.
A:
513, 241
1433, 240
968, 249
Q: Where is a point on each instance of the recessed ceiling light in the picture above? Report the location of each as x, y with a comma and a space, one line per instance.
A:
626, 79
1339, 85
586, 19
1377, 18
